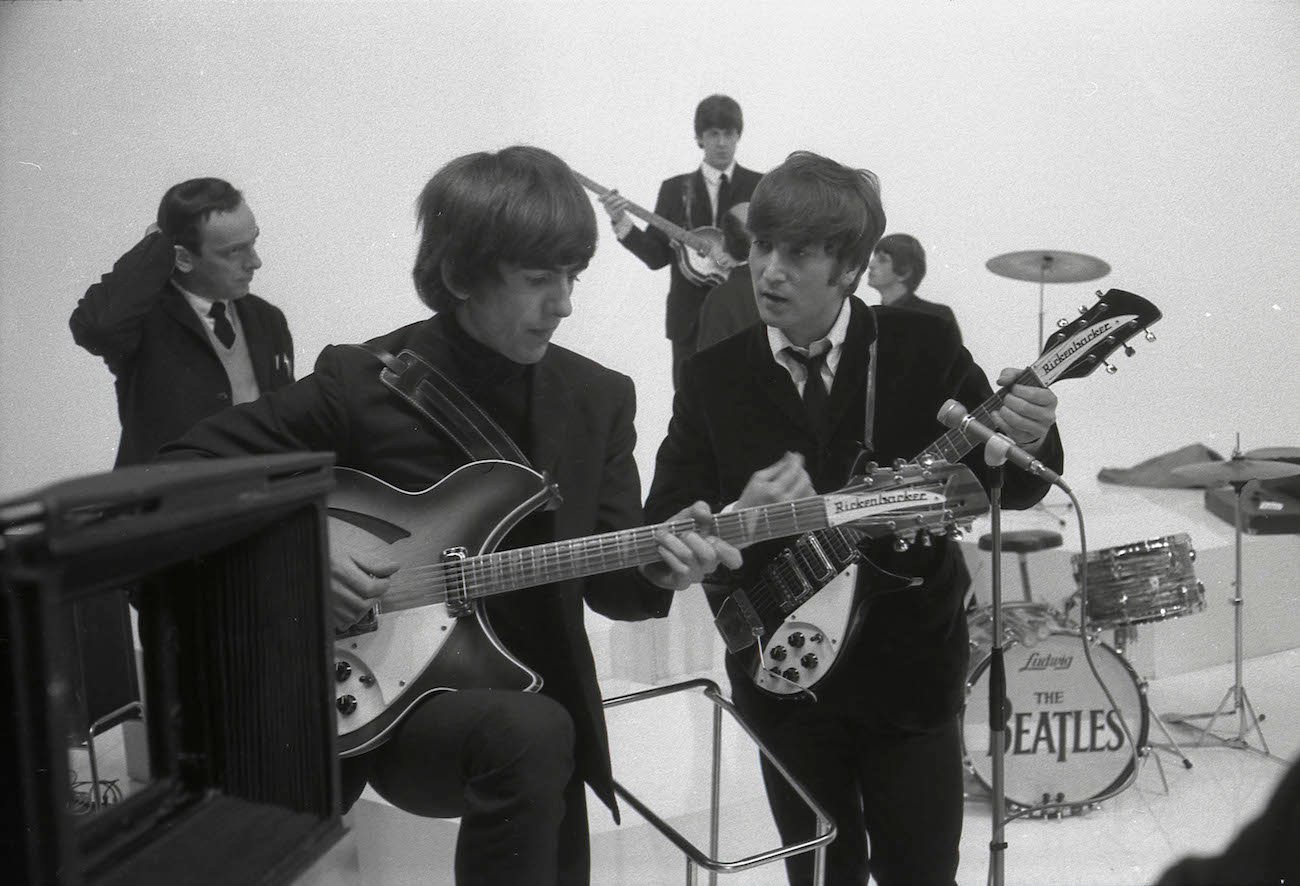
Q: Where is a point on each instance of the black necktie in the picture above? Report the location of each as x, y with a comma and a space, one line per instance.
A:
221, 324
814, 389
724, 198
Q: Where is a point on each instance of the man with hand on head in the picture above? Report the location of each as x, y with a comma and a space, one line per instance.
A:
176, 323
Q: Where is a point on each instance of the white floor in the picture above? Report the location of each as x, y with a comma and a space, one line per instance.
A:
1129, 839
662, 753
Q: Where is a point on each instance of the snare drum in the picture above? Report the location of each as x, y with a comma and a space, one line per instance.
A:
1023, 622
1063, 740
1141, 582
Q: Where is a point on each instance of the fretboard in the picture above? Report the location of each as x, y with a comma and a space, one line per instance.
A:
511, 570
676, 232
953, 445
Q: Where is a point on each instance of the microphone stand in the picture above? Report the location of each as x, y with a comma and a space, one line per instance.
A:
995, 456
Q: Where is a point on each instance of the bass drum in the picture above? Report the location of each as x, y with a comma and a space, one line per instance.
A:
1063, 741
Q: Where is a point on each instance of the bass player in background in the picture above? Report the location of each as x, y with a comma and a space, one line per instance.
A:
729, 306
697, 199
503, 237
779, 412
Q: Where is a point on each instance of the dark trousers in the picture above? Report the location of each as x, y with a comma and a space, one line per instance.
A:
503, 762
682, 348
894, 795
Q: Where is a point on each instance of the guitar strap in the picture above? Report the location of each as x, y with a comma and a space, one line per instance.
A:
688, 201
446, 406
869, 419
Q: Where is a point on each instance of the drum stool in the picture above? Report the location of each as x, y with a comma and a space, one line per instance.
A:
1023, 542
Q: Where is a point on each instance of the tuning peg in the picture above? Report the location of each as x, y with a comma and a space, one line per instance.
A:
898, 464
1062, 323
1128, 351
1083, 309
924, 538
956, 533
1148, 335
1110, 370
900, 544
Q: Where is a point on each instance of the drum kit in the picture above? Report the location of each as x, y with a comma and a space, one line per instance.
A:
1067, 738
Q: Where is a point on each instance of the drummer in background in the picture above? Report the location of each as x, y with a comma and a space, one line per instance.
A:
896, 269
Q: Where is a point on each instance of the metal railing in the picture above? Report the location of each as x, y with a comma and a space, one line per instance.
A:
696, 857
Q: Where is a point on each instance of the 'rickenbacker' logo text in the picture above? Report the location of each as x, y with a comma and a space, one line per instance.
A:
843, 508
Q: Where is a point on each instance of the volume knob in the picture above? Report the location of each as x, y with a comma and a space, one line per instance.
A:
347, 704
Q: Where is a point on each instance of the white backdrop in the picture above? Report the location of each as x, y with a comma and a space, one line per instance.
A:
1159, 136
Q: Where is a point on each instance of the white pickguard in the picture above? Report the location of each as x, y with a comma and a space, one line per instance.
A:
383, 662
807, 643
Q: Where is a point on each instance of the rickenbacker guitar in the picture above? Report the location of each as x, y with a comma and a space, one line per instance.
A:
701, 253
802, 611
429, 633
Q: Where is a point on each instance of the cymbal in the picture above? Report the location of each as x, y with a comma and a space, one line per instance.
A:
1275, 453
1048, 266
1236, 470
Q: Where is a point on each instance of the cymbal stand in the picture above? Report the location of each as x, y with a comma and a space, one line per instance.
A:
1125, 634
1236, 696
1042, 284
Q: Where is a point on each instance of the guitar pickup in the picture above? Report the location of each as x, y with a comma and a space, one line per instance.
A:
458, 604
823, 570
738, 622
784, 573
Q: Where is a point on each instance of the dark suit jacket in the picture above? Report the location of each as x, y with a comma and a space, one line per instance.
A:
728, 308
913, 302
654, 247
737, 410
167, 374
581, 432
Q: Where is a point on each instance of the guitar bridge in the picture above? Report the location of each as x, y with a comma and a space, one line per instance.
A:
738, 622
367, 624
458, 604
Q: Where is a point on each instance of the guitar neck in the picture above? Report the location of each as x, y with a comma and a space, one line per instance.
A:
512, 570
676, 232
954, 445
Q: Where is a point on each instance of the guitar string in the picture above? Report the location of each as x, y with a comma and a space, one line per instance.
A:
427, 584
951, 446
545, 563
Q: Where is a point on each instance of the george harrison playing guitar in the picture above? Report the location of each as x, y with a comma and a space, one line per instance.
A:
430, 633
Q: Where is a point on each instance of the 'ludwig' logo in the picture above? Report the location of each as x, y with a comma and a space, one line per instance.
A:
1045, 661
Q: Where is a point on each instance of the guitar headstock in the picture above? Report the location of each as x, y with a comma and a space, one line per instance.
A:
1081, 345
908, 499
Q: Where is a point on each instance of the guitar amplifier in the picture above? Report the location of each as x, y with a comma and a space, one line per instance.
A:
230, 562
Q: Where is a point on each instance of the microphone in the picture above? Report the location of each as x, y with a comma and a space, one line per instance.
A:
954, 415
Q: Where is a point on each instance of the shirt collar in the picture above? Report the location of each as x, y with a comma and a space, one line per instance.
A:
202, 305
778, 342
713, 176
